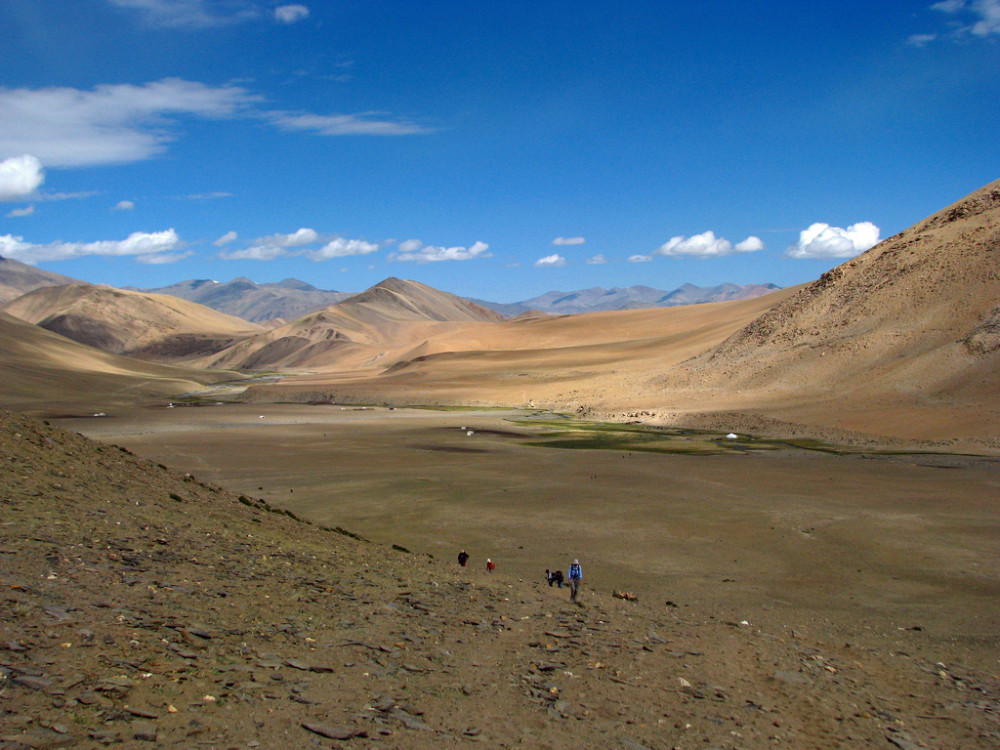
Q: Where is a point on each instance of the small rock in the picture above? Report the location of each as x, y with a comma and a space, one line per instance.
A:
142, 713
692, 691
333, 733
408, 720
145, 731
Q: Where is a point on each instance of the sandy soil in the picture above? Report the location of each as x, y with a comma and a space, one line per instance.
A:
872, 546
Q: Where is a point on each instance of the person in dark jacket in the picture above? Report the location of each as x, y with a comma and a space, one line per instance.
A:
463, 558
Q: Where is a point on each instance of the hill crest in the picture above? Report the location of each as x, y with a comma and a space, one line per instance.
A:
125, 322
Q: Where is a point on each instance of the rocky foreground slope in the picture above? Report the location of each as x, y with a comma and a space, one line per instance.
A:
147, 608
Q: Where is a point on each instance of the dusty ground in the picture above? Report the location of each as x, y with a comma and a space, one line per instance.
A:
785, 599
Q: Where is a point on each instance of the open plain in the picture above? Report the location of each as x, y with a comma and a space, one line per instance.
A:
892, 550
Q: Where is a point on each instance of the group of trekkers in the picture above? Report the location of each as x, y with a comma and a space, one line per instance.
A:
575, 574
463, 559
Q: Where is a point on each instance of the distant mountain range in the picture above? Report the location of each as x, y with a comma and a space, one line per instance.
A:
290, 299
282, 300
599, 299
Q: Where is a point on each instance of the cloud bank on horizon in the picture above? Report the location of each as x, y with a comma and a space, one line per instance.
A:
286, 117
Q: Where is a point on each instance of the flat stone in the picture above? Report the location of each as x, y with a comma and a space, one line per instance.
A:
38, 739
142, 713
333, 733
408, 720
105, 736
794, 678
32, 682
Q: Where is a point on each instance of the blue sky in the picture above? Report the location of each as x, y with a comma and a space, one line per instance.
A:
495, 150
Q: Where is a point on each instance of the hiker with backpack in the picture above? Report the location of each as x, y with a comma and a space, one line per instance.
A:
575, 576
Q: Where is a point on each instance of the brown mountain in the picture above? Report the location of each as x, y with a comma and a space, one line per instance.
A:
258, 303
42, 371
903, 338
900, 342
390, 314
152, 326
17, 278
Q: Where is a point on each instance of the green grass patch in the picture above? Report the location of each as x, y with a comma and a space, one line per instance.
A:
557, 431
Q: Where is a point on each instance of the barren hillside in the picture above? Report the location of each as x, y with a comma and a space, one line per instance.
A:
902, 338
153, 326
564, 362
17, 278
354, 334
41, 371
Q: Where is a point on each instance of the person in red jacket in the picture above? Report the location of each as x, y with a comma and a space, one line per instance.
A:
490, 565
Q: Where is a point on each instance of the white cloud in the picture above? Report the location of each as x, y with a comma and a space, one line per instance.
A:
342, 247
597, 260
20, 176
639, 258
204, 196
163, 258
356, 124
823, 241
190, 13
26, 211
976, 17
137, 243
255, 252
290, 13
267, 246
569, 240
280, 245
551, 261
989, 17
119, 124
226, 239
12, 247
410, 246
112, 124
124, 206
750, 245
298, 238
415, 251
707, 245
